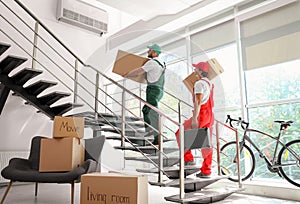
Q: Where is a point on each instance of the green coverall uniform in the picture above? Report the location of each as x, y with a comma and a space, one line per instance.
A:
154, 94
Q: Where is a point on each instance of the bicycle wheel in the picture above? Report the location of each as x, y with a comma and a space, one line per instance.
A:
229, 165
291, 165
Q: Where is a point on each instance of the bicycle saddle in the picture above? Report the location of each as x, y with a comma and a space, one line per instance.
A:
284, 122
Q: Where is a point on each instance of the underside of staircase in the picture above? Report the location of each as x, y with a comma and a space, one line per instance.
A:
15, 83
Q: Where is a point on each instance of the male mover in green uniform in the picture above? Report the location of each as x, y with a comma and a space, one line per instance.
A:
155, 75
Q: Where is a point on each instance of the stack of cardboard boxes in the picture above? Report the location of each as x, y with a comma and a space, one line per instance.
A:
65, 151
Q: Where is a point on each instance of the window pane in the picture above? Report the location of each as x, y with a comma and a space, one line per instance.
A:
175, 73
281, 81
174, 51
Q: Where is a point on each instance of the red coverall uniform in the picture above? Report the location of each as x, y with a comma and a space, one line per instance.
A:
205, 119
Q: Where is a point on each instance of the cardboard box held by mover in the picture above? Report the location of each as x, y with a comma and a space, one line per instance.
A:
215, 70
61, 154
111, 188
125, 62
68, 127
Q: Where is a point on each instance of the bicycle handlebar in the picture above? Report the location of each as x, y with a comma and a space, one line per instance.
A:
244, 125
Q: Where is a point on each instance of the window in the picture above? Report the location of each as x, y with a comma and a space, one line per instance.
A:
273, 83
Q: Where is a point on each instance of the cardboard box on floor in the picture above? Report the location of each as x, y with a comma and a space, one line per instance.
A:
61, 154
215, 70
111, 188
126, 62
68, 127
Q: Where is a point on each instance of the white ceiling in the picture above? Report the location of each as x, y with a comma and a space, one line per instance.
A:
146, 10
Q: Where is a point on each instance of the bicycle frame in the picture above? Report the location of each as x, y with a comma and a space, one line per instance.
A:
271, 163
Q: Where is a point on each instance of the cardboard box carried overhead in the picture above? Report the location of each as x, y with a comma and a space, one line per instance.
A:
61, 154
111, 188
68, 127
215, 70
126, 62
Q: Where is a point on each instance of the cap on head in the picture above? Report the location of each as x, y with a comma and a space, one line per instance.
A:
203, 66
155, 47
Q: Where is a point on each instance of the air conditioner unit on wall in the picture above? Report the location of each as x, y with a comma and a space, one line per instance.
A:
82, 15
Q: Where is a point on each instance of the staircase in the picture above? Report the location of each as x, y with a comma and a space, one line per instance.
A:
133, 138
135, 141
15, 83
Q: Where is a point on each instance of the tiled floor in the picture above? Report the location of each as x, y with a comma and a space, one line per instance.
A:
60, 194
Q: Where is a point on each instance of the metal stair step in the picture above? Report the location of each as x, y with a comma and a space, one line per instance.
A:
90, 114
172, 172
204, 196
191, 184
9, 63
63, 108
3, 47
148, 149
93, 124
128, 132
51, 98
117, 123
39, 86
141, 141
129, 124
21, 77
169, 161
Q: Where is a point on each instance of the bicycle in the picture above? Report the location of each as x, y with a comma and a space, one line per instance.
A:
287, 164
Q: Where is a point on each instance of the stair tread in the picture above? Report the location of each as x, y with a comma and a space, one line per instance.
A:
172, 172
144, 148
128, 132
150, 150
128, 125
55, 93
167, 169
52, 97
176, 182
204, 196
39, 86
10, 62
24, 75
107, 115
3, 47
139, 138
63, 108
167, 161
151, 157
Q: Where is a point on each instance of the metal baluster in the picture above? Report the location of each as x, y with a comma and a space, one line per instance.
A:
96, 95
75, 82
123, 120
160, 155
181, 154
35, 39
